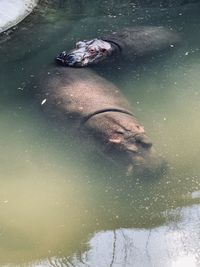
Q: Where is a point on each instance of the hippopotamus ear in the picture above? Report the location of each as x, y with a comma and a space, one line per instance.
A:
115, 140
80, 44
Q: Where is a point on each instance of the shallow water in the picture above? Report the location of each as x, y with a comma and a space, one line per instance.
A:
64, 205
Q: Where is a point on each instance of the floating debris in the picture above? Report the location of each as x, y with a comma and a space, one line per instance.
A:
43, 101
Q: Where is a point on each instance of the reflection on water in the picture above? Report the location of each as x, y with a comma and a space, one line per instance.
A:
56, 193
173, 245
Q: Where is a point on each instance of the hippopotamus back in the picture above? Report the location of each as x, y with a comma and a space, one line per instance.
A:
79, 92
142, 40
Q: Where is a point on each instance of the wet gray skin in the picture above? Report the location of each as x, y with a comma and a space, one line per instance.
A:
85, 53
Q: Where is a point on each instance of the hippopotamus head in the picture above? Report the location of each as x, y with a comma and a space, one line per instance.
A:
126, 144
137, 153
85, 53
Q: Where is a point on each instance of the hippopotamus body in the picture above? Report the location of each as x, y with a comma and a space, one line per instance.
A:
96, 107
129, 43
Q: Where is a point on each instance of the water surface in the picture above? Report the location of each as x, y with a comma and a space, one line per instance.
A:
64, 205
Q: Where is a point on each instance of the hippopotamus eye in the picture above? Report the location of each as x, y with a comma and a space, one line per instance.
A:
91, 50
103, 50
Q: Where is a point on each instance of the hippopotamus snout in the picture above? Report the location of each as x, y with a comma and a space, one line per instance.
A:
145, 162
67, 59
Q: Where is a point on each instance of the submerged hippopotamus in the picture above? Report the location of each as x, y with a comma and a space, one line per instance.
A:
130, 43
97, 108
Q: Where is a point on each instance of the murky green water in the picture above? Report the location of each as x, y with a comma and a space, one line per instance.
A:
62, 204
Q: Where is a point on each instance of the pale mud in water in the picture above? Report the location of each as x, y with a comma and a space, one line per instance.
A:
62, 203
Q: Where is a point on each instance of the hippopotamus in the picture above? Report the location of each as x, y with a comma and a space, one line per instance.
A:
97, 108
129, 43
